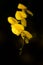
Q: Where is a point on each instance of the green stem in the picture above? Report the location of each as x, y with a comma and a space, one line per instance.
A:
21, 49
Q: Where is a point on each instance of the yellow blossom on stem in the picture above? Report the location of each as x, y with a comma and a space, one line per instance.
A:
17, 29
21, 6
26, 36
19, 15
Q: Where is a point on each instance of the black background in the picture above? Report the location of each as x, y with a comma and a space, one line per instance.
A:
8, 40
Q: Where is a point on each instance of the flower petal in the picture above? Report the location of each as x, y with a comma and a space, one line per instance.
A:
29, 12
18, 15
21, 6
17, 29
24, 22
24, 15
12, 20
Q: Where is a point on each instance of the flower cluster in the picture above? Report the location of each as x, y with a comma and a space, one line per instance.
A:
19, 23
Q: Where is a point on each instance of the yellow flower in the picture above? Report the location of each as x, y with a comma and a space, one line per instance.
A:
19, 15
23, 14
21, 6
12, 20
26, 36
17, 29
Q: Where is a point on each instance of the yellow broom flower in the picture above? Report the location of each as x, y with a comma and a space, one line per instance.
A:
19, 15
26, 36
17, 29
21, 6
